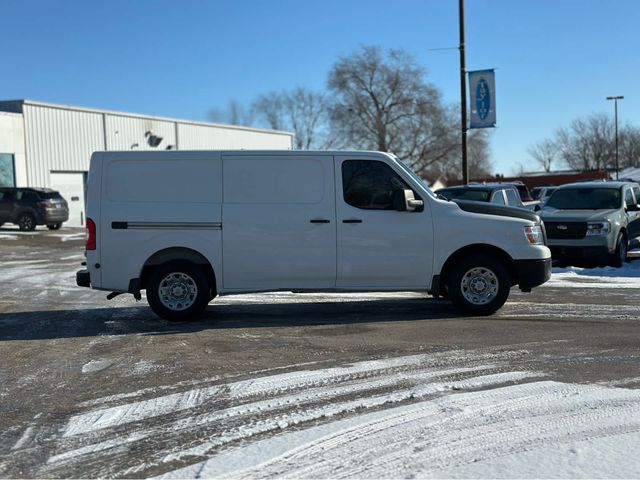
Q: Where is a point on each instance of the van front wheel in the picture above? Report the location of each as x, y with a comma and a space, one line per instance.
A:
479, 284
178, 290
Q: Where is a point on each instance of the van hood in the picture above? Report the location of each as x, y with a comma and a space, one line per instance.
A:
553, 215
499, 210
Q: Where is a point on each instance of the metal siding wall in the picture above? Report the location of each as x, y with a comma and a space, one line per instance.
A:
59, 139
12, 141
202, 137
123, 132
63, 139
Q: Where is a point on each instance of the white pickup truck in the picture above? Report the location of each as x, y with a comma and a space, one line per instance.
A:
187, 226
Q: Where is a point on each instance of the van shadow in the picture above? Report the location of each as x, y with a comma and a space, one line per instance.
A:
60, 324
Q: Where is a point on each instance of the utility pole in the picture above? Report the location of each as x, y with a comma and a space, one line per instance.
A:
463, 97
615, 101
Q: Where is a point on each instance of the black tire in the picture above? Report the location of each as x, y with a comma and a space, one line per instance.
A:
26, 222
55, 226
178, 291
619, 257
479, 284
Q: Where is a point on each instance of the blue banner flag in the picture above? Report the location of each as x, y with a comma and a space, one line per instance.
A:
482, 86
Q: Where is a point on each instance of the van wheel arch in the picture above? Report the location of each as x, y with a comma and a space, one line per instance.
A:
477, 249
179, 253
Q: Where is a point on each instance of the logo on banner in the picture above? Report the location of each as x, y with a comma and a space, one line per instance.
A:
482, 89
483, 99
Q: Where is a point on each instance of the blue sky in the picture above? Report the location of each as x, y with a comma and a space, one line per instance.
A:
555, 60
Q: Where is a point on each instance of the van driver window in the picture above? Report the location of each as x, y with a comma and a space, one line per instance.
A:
370, 184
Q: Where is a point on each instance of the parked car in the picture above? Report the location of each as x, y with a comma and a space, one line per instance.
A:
496, 193
28, 207
525, 195
542, 194
592, 221
188, 226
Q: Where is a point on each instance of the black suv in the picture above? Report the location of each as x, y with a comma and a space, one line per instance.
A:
497, 193
28, 207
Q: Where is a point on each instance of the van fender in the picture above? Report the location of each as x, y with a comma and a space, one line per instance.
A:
441, 279
168, 254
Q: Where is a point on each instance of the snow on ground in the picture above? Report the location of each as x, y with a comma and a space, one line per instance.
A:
627, 276
534, 430
440, 415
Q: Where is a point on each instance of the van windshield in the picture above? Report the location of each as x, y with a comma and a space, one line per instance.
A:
585, 198
415, 176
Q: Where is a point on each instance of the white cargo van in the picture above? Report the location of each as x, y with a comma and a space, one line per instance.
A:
187, 226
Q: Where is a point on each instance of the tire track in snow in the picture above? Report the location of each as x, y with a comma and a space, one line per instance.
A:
445, 434
172, 427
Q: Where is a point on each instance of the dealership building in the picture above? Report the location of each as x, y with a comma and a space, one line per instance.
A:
48, 145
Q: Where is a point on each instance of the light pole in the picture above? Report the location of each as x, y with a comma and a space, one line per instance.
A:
615, 101
463, 94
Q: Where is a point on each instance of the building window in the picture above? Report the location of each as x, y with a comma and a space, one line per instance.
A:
7, 170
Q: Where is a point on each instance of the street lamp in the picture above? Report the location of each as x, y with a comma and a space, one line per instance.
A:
615, 101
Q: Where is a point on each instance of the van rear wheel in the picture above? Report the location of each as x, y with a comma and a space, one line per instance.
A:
178, 291
479, 284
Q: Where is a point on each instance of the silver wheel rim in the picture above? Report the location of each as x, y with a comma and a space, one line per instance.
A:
177, 291
479, 286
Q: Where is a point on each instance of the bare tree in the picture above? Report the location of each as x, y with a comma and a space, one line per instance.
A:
479, 154
629, 147
544, 153
233, 114
588, 143
383, 103
269, 110
302, 111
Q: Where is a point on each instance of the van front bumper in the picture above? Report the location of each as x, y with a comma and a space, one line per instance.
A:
531, 273
83, 278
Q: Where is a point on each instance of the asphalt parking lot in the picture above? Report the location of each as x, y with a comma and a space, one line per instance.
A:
68, 353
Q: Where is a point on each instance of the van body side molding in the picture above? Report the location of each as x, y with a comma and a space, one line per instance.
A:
165, 226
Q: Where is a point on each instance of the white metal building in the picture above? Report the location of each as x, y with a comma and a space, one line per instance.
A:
48, 145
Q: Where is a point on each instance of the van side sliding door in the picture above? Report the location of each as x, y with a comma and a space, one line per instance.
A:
279, 226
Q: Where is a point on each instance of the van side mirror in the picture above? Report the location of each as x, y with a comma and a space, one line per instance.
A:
405, 201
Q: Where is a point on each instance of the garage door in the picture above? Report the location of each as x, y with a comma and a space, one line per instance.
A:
71, 187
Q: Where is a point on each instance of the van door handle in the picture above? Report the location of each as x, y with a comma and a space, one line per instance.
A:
352, 220
320, 220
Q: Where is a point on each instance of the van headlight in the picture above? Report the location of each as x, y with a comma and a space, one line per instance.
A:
534, 235
598, 228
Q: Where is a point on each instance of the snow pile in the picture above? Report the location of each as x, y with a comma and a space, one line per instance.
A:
627, 276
